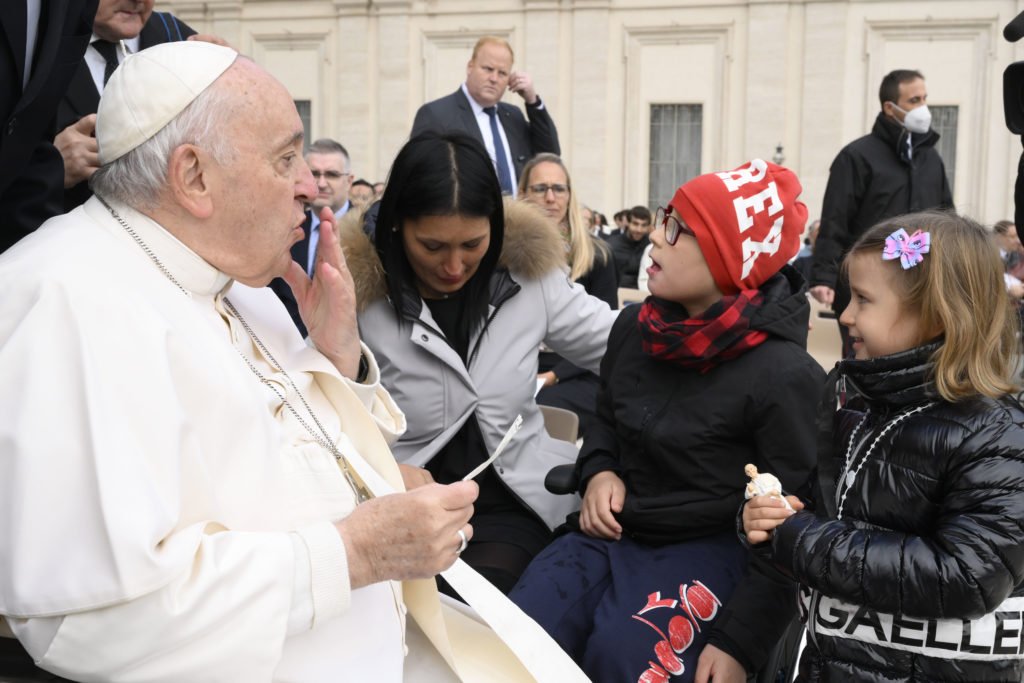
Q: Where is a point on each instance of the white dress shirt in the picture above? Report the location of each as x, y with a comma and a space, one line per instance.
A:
314, 234
97, 64
32, 11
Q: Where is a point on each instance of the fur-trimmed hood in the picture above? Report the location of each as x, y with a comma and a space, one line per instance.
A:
532, 247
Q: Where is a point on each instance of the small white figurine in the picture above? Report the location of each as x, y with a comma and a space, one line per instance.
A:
763, 485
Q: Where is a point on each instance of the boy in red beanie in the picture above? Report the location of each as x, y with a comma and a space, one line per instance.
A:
709, 374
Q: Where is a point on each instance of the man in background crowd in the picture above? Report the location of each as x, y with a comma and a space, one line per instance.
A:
628, 246
893, 170
476, 109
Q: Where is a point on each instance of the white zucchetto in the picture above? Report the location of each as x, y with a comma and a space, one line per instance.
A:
150, 88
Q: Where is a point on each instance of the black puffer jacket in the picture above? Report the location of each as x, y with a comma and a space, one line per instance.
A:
931, 528
679, 439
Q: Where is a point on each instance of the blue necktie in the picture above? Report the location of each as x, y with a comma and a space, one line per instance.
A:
504, 179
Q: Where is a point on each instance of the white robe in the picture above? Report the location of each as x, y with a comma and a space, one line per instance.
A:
162, 516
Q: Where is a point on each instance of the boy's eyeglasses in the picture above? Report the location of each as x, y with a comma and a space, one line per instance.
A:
673, 226
541, 190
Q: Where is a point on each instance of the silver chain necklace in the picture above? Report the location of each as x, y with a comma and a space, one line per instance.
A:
849, 476
323, 438
138, 240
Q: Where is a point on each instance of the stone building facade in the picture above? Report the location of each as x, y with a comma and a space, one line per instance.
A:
646, 93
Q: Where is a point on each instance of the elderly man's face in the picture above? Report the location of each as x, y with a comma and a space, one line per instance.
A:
258, 195
121, 19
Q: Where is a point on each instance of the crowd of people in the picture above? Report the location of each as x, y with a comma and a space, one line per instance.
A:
267, 421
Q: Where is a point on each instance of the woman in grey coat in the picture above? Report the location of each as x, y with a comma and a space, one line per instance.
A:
455, 297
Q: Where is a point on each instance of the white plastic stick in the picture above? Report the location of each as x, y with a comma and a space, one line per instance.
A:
516, 424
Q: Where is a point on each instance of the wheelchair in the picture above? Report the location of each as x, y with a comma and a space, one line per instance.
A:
782, 661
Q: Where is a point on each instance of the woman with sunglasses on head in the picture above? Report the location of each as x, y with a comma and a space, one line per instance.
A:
708, 375
455, 296
545, 182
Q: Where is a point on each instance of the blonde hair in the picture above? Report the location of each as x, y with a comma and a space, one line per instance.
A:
493, 40
958, 291
582, 247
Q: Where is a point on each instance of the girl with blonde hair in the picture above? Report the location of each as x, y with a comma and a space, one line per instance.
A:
918, 527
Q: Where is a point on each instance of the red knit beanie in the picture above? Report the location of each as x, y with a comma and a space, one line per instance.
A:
748, 221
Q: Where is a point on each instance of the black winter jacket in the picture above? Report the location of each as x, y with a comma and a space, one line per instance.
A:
679, 439
628, 254
871, 179
931, 528
600, 281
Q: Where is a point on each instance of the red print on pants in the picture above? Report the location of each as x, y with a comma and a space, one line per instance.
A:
699, 604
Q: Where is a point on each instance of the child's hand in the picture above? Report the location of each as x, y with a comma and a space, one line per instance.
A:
605, 493
717, 666
762, 514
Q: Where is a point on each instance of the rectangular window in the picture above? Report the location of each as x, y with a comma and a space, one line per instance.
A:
944, 120
676, 131
305, 109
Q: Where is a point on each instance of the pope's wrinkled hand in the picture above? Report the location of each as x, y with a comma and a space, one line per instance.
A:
411, 535
414, 477
327, 302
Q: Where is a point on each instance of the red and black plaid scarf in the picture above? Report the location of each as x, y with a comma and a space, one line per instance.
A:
721, 333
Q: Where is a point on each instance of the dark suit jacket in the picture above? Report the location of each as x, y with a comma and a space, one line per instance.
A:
525, 138
31, 170
83, 99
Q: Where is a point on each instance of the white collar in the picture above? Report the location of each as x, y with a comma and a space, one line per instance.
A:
477, 107
188, 268
131, 44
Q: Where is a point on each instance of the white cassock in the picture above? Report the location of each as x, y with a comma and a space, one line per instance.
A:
155, 497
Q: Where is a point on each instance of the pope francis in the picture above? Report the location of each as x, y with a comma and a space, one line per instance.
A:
189, 491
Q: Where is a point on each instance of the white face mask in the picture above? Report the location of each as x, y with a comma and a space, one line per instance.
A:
916, 120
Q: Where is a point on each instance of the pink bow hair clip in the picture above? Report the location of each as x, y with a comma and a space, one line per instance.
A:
909, 249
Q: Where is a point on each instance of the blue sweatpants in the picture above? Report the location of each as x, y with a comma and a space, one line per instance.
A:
625, 611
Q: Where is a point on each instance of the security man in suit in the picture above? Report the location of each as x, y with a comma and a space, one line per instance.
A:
475, 108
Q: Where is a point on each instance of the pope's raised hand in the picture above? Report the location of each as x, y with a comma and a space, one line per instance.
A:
327, 302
